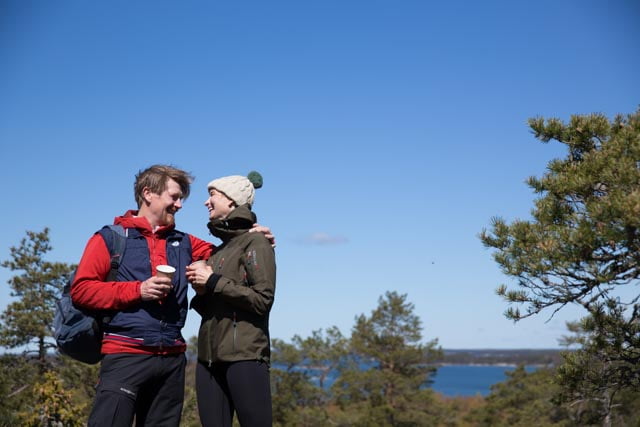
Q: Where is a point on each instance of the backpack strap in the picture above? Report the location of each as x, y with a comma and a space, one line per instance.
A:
116, 250
119, 241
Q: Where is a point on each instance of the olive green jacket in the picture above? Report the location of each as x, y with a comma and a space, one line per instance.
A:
240, 293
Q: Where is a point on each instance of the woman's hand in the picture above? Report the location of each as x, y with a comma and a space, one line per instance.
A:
198, 273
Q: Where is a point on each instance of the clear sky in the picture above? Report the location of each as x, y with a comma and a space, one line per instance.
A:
388, 134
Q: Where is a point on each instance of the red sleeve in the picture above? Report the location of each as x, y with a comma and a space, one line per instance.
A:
89, 288
200, 249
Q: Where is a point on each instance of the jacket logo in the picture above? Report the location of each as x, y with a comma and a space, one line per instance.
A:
252, 259
175, 243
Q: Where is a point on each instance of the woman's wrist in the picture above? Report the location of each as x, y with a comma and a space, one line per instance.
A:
212, 281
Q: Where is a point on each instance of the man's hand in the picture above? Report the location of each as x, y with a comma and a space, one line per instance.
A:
257, 228
155, 288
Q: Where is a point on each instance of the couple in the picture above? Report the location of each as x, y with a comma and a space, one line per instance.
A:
142, 372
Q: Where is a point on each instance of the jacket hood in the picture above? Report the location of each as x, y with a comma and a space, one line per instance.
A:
239, 221
131, 220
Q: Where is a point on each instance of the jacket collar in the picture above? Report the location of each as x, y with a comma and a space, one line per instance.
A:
131, 220
239, 221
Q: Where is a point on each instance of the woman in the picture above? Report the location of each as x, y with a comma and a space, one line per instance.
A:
234, 294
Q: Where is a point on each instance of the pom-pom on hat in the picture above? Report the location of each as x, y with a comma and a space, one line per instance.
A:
238, 188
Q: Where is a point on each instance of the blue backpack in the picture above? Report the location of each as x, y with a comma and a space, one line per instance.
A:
78, 332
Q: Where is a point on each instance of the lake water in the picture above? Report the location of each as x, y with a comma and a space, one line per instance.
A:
469, 380
457, 380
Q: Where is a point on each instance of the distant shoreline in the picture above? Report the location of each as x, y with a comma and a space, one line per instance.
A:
501, 357
500, 364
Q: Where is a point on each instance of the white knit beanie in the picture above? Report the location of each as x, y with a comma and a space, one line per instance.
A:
238, 188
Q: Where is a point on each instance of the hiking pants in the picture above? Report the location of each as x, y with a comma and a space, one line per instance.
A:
147, 386
242, 387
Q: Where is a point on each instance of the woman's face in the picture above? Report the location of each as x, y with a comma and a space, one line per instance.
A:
218, 204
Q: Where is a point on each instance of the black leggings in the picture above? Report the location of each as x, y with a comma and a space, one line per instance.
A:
243, 387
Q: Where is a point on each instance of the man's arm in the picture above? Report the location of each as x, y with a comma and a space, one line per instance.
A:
257, 228
200, 249
89, 289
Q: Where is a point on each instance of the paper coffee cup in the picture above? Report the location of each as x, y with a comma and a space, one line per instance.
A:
165, 271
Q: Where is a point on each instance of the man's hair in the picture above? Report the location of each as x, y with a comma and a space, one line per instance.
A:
155, 179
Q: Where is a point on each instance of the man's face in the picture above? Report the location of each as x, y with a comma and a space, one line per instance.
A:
163, 206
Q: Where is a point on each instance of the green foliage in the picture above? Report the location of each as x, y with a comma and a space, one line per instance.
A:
582, 247
190, 417
523, 400
392, 390
51, 405
28, 320
584, 238
597, 376
17, 376
81, 380
294, 395
527, 399
40, 390
26, 392
192, 348
324, 353
382, 372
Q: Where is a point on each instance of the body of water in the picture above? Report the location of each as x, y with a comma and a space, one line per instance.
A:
470, 380
453, 380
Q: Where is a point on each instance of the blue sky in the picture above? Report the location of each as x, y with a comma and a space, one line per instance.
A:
388, 134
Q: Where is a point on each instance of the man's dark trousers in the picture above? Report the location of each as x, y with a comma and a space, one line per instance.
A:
147, 386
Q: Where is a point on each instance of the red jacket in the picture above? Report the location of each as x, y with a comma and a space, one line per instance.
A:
89, 289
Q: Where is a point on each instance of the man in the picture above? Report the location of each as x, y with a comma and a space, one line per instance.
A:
142, 372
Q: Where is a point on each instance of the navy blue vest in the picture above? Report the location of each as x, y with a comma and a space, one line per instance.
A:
154, 323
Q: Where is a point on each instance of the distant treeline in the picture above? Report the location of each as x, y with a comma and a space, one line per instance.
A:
545, 357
